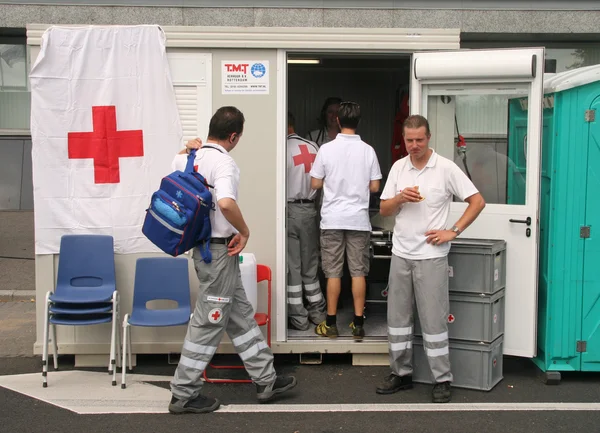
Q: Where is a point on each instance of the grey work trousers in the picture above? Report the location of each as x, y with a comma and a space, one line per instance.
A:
425, 281
303, 265
222, 306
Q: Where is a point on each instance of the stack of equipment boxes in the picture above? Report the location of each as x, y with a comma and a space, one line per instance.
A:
477, 271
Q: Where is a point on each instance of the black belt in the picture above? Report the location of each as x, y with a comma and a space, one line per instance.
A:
301, 200
224, 241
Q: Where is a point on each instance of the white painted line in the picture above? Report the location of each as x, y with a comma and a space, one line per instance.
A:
409, 407
95, 395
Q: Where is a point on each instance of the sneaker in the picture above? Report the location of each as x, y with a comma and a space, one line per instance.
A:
358, 332
265, 393
200, 404
326, 331
394, 383
441, 392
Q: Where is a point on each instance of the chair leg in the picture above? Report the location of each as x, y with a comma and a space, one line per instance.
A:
123, 366
118, 335
129, 350
45, 349
54, 347
113, 339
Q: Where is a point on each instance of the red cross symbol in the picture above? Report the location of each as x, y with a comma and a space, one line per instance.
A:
216, 315
105, 145
305, 157
451, 318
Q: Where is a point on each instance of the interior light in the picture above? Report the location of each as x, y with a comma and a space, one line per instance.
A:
304, 61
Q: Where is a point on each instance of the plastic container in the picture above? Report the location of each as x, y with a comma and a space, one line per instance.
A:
473, 365
477, 265
478, 318
248, 271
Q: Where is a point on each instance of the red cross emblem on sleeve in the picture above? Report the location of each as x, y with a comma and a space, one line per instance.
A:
105, 145
305, 157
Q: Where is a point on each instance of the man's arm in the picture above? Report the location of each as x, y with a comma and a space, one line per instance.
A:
476, 205
232, 213
374, 185
316, 183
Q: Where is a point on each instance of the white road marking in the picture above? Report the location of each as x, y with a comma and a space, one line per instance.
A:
95, 395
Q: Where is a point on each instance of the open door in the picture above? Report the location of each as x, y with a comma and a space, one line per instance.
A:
468, 93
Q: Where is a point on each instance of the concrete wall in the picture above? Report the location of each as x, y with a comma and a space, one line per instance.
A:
572, 22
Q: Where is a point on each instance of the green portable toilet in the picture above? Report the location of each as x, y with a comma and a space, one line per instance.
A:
569, 246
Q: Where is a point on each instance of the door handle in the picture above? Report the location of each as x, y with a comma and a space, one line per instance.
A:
525, 221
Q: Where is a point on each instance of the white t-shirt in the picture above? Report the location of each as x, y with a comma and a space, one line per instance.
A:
347, 165
220, 170
438, 181
319, 136
301, 154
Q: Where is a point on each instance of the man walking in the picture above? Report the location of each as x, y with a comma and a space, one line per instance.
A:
222, 304
347, 169
302, 234
419, 190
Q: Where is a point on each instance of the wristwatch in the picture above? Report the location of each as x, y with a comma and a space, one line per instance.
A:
455, 230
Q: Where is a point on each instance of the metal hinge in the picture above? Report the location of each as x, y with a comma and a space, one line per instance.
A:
582, 346
584, 232
590, 115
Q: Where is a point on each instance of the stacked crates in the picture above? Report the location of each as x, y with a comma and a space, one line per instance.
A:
477, 271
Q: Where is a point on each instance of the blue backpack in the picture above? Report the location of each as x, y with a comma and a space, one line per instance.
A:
178, 218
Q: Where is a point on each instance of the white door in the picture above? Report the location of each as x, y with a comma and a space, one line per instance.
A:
477, 92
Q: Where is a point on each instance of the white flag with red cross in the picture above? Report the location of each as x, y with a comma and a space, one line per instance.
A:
105, 128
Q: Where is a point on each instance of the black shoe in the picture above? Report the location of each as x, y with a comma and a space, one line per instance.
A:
265, 393
200, 404
358, 332
394, 383
441, 392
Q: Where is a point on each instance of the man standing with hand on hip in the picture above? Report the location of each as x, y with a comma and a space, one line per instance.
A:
419, 191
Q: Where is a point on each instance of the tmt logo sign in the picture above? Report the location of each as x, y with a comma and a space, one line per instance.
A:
237, 67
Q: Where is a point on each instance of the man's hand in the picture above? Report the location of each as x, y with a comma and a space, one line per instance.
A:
440, 237
196, 143
410, 195
237, 244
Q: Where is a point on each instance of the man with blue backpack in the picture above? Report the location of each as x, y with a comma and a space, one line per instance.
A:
222, 305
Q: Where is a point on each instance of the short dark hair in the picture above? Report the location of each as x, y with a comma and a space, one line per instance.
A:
416, 121
291, 120
349, 115
226, 121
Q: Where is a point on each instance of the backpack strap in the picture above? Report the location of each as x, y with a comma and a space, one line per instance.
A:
189, 167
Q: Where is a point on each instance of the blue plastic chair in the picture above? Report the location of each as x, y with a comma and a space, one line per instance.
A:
85, 293
161, 278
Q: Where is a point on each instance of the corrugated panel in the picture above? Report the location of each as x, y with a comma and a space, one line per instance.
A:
187, 104
482, 114
369, 39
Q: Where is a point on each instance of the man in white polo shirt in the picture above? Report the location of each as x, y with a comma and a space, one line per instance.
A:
419, 190
347, 169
